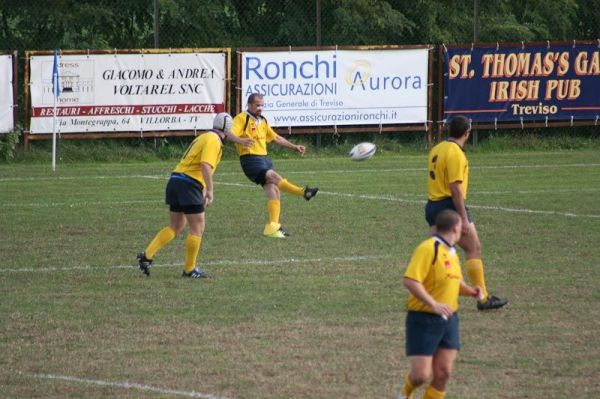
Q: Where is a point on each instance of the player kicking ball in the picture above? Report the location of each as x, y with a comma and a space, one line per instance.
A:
259, 168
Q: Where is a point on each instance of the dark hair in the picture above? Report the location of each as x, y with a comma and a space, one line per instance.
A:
446, 220
253, 97
458, 126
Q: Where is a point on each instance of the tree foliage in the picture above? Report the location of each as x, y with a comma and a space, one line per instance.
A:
588, 19
367, 22
107, 24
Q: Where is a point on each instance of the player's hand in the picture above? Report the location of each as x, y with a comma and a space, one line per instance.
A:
246, 142
208, 198
465, 227
301, 149
442, 310
478, 293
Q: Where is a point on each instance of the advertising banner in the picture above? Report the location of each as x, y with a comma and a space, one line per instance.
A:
7, 122
338, 87
523, 83
128, 92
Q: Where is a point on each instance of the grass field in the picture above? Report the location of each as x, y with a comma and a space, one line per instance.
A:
318, 315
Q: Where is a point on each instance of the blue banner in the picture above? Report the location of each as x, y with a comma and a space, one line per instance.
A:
523, 83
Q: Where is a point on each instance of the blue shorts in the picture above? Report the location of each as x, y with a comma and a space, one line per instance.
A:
184, 194
433, 208
255, 167
426, 332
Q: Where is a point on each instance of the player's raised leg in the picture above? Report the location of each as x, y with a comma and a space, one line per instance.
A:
287, 187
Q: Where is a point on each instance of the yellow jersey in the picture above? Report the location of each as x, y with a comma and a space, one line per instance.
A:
447, 164
207, 148
246, 125
436, 265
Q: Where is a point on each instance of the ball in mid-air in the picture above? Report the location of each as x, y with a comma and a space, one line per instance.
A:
362, 151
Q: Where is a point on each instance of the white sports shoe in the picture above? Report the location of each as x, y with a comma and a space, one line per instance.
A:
278, 234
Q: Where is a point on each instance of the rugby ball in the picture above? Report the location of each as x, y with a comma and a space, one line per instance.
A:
362, 151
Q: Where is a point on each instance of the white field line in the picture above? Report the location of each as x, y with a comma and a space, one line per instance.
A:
370, 197
410, 201
81, 203
418, 195
126, 385
511, 192
493, 208
422, 169
347, 195
224, 262
308, 172
161, 176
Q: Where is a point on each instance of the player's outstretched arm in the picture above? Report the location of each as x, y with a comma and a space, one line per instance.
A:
288, 144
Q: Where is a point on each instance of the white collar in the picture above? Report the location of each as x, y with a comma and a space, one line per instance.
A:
451, 248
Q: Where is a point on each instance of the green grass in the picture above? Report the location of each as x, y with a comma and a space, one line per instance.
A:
413, 143
318, 315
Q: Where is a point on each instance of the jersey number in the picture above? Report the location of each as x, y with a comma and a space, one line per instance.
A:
432, 172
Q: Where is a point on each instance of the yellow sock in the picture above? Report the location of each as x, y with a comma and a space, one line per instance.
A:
161, 239
274, 207
475, 273
432, 393
408, 386
288, 187
192, 249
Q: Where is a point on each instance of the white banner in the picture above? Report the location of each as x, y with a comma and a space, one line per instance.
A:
128, 92
325, 88
7, 122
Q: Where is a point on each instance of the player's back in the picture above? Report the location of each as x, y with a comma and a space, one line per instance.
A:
447, 164
205, 148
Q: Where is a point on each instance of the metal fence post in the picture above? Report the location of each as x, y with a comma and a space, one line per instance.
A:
156, 23
318, 43
474, 137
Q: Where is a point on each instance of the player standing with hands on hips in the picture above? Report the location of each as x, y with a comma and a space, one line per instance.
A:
259, 168
189, 191
434, 279
447, 187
